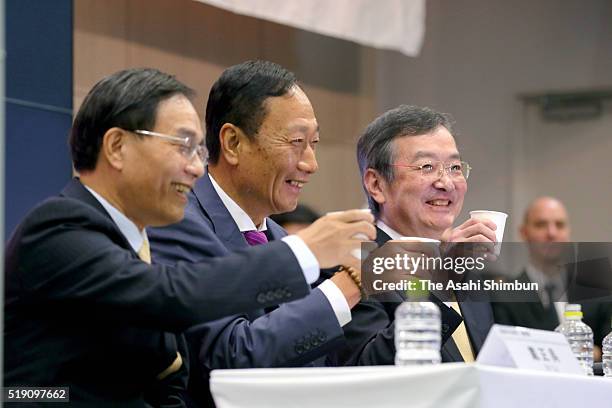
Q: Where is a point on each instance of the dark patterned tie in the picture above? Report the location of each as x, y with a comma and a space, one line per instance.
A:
550, 289
255, 237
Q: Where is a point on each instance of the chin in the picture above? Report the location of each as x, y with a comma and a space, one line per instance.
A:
170, 218
286, 207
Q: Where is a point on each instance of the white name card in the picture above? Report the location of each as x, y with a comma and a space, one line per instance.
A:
520, 347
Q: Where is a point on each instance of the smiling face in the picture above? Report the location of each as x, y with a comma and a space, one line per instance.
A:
156, 174
275, 163
418, 205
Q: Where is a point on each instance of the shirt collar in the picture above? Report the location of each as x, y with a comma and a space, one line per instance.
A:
240, 217
129, 230
388, 230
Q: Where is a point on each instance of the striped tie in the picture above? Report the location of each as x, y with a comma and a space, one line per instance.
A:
255, 237
144, 253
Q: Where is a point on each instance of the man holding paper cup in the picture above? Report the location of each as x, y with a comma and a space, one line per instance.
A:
415, 182
261, 135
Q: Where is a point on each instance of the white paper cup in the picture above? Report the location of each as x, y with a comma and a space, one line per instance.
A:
499, 218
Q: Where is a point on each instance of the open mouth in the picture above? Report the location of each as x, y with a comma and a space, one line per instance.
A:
181, 188
296, 183
439, 203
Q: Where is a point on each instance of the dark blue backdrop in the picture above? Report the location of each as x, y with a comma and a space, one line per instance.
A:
38, 102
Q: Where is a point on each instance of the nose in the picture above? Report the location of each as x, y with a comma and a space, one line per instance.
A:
444, 181
308, 161
195, 166
552, 232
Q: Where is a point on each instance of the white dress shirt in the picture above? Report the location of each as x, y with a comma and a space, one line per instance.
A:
393, 234
306, 259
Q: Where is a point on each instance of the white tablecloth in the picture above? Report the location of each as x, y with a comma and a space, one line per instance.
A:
453, 385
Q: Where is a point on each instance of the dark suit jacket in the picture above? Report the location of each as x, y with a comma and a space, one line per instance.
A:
370, 334
83, 311
292, 335
533, 314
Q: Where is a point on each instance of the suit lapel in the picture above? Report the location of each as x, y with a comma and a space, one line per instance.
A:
475, 314
225, 227
223, 224
381, 237
274, 231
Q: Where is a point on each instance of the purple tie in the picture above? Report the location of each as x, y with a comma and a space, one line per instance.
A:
255, 237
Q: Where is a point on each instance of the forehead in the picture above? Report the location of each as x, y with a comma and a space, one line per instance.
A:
438, 144
292, 111
177, 116
547, 211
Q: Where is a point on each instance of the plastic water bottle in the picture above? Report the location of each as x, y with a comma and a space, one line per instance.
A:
417, 334
579, 336
606, 348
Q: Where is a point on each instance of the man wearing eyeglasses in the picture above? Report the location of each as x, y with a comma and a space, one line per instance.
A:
415, 182
84, 307
261, 133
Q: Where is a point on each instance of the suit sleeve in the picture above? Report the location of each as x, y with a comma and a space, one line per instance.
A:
64, 255
369, 337
294, 334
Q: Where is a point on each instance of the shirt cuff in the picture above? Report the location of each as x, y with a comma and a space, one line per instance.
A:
308, 262
337, 301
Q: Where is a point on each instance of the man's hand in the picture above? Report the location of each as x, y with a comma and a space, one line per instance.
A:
334, 236
471, 231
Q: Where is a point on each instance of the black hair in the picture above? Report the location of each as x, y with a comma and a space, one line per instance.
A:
375, 148
127, 99
238, 97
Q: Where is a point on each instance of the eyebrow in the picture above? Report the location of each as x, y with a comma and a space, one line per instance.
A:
302, 128
429, 155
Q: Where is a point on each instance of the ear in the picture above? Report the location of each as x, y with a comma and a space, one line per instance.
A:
231, 140
523, 232
374, 185
113, 147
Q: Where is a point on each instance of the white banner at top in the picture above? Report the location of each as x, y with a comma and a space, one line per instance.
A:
389, 24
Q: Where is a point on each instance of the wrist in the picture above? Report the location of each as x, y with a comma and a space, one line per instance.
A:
349, 282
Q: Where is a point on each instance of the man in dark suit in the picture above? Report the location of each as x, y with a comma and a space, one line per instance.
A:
261, 134
415, 182
81, 309
545, 229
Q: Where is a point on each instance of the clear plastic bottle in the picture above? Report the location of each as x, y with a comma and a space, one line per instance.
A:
417, 333
606, 348
578, 335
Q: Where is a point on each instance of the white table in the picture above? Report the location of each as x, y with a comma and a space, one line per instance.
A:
453, 385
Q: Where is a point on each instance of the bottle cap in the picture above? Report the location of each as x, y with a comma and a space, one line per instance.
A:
417, 291
573, 310
573, 307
